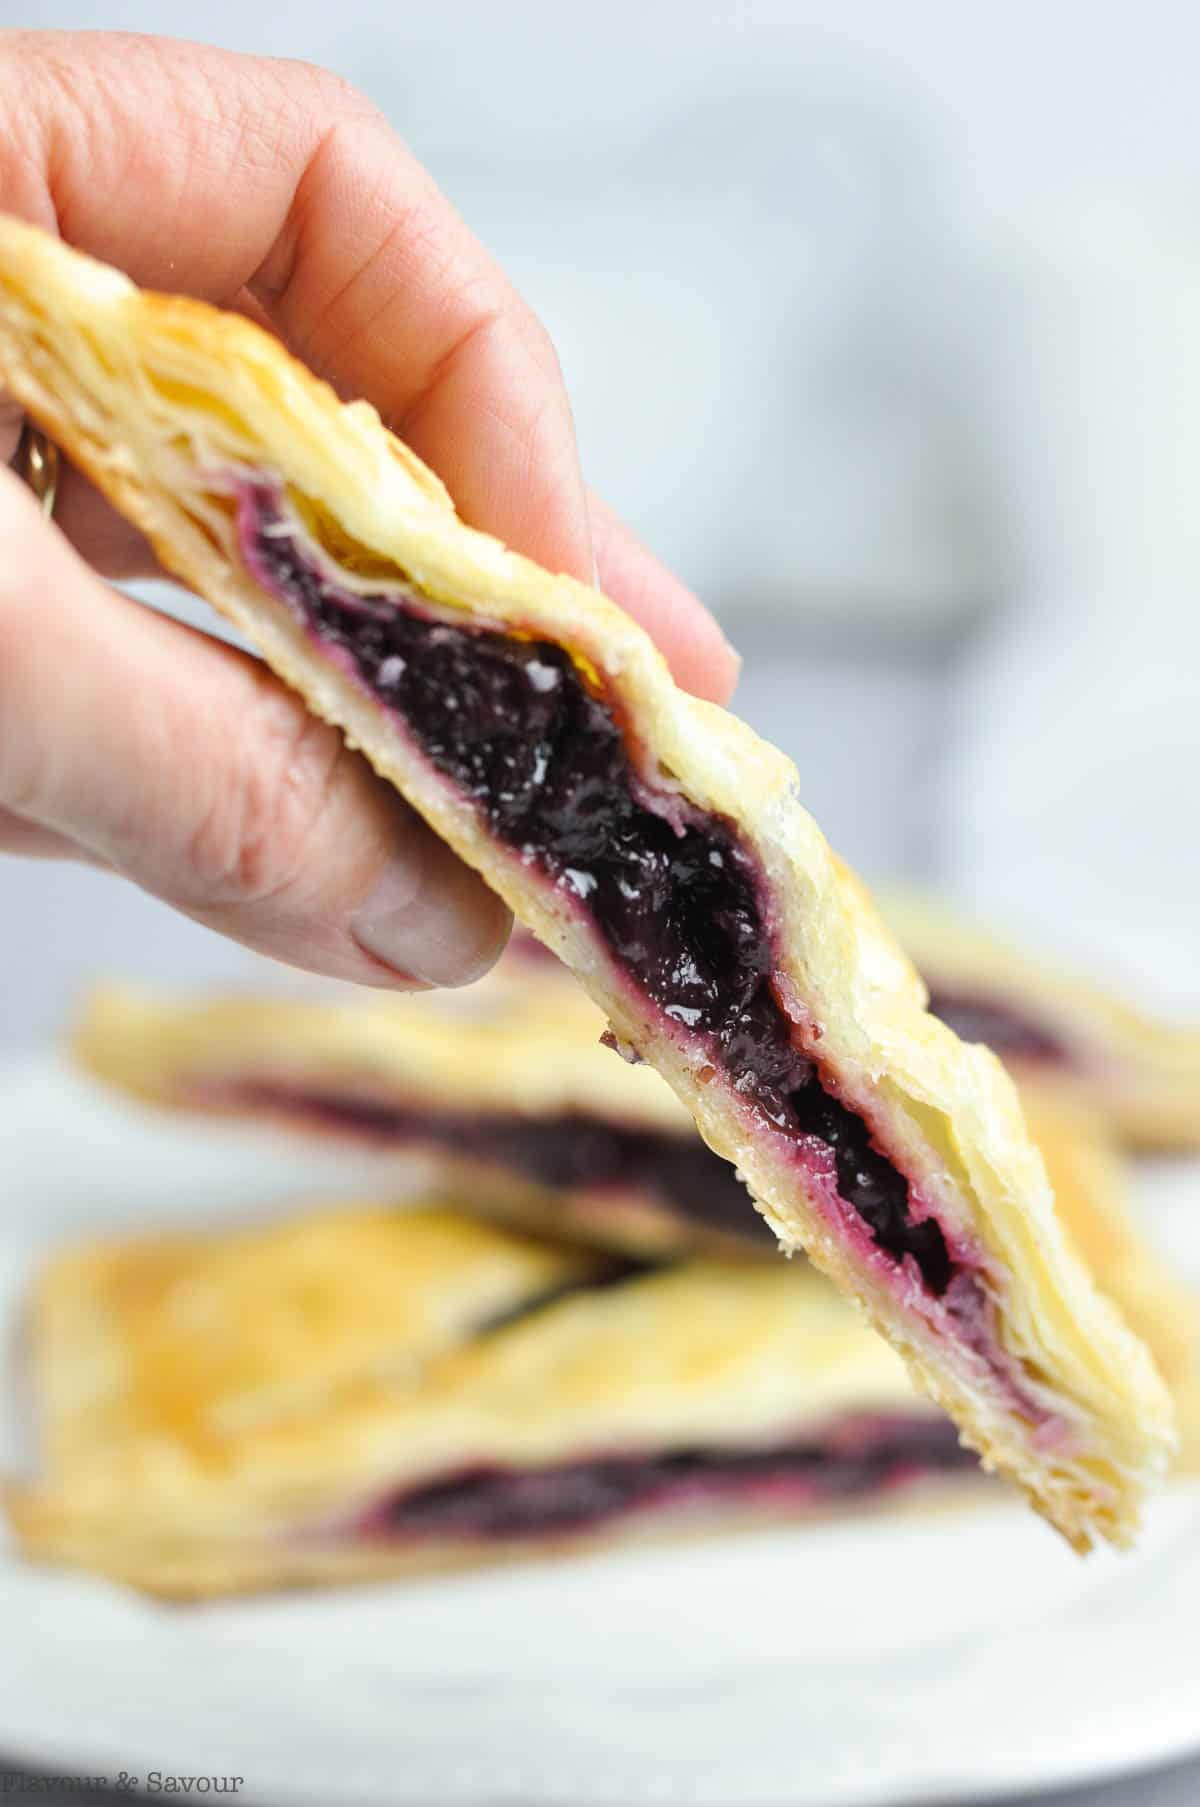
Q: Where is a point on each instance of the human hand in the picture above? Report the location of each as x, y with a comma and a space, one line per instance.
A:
138, 744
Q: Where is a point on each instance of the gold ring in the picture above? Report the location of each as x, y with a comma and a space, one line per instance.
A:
36, 464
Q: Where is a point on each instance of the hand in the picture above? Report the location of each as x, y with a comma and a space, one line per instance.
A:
133, 742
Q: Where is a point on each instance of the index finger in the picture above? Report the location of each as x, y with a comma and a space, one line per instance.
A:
223, 176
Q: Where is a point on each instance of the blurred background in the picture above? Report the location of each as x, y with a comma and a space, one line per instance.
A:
881, 325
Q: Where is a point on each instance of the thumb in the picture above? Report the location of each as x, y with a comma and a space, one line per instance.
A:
187, 766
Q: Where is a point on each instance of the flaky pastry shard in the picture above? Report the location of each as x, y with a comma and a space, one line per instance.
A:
650, 839
571, 1405
1054, 1029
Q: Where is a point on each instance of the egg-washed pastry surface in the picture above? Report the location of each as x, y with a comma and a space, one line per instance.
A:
220, 1412
506, 1085
650, 839
1053, 1029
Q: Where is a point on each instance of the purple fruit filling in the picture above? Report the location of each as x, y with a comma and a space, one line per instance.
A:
1005, 1028
670, 889
858, 1460
564, 1153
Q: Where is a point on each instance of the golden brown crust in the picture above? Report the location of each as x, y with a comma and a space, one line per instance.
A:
1141, 1074
185, 1338
158, 397
215, 1406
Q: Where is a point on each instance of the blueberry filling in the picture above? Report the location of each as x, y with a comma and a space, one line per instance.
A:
492, 1502
563, 1153
1004, 1027
670, 889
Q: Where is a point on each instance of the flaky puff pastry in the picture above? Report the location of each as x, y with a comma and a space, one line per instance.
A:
1141, 1073
220, 1412
232, 459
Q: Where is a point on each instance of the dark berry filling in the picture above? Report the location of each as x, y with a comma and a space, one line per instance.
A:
859, 1459
670, 889
1005, 1028
563, 1153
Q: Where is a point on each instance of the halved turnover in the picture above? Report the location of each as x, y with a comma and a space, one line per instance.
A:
651, 840
364, 1392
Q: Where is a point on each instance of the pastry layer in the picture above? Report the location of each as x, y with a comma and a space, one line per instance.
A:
1055, 1030
597, 1405
867, 1133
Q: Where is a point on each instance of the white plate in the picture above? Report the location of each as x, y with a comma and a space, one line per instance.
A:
918, 1659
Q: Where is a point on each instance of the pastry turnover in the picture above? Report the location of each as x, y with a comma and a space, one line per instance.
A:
219, 1413
1055, 1030
505, 1086
650, 839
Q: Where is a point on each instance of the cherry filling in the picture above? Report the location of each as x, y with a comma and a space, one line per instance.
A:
670, 889
571, 1151
859, 1459
1004, 1027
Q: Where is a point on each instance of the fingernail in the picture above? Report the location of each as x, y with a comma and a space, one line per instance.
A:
430, 918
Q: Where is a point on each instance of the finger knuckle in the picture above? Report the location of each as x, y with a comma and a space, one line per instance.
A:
327, 95
542, 349
249, 845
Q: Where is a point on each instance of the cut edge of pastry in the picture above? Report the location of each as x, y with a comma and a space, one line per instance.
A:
157, 397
